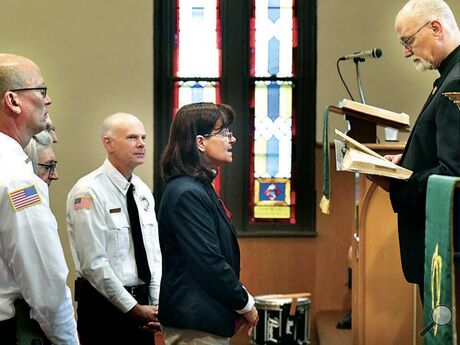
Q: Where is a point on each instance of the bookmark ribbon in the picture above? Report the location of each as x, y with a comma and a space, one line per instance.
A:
325, 199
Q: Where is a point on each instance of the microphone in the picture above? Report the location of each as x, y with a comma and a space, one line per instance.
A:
374, 53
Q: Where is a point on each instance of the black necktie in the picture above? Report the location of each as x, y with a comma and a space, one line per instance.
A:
142, 264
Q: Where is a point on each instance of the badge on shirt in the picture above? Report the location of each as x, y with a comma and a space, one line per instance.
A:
82, 202
145, 203
24, 197
115, 210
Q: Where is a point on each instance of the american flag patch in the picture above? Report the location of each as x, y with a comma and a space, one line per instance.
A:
82, 202
24, 197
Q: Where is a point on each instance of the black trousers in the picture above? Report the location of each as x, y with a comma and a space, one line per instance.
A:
21, 329
8, 332
101, 323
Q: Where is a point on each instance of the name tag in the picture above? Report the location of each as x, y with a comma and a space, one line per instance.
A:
115, 210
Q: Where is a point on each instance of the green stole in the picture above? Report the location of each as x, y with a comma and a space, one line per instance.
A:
439, 266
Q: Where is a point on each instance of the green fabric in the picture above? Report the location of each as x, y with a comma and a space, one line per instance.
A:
325, 200
439, 284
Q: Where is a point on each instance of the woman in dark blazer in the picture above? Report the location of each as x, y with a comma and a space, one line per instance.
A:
201, 298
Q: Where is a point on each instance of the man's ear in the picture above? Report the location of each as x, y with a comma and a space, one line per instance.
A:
107, 142
201, 143
437, 28
12, 102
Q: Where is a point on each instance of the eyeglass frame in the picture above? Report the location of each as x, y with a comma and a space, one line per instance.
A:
224, 134
50, 127
43, 90
51, 168
405, 43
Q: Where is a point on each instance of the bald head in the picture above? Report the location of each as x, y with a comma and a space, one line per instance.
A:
427, 10
422, 11
113, 123
13, 71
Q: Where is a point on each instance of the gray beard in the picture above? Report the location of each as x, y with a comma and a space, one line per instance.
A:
421, 65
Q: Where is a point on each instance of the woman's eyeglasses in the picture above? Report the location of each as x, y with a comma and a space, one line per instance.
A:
225, 134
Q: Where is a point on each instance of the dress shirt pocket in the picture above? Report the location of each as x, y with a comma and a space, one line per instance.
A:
119, 234
149, 224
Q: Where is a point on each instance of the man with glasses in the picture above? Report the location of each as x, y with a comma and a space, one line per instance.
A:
114, 239
32, 264
430, 38
40, 152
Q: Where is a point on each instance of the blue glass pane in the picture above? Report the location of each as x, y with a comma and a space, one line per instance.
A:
273, 56
273, 10
272, 156
273, 100
197, 93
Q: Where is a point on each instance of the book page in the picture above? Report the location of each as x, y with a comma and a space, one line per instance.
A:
340, 150
350, 142
354, 156
358, 161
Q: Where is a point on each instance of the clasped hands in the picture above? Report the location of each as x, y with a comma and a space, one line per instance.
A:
146, 316
248, 320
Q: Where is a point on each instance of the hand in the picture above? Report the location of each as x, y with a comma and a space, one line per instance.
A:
144, 314
151, 327
395, 159
382, 181
250, 320
241, 324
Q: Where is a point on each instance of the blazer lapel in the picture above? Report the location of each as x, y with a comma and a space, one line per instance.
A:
220, 207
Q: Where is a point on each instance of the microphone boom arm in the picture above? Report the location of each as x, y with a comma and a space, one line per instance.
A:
358, 79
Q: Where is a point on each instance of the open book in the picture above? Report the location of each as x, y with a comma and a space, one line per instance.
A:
353, 156
378, 114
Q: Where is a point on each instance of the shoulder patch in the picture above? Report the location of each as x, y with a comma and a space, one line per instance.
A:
82, 202
24, 197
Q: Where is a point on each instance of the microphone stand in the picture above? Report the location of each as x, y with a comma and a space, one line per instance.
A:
357, 186
358, 78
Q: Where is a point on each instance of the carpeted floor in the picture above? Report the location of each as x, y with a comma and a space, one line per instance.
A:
328, 333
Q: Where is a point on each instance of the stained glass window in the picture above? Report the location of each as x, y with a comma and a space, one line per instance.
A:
259, 56
197, 52
197, 55
272, 44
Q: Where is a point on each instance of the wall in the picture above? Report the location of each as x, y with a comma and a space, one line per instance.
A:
97, 58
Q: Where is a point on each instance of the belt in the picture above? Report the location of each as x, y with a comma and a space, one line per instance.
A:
137, 290
83, 290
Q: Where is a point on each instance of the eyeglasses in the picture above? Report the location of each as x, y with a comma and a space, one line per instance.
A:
50, 168
407, 43
225, 134
43, 90
50, 127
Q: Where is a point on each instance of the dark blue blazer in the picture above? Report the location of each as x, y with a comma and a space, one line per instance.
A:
433, 147
200, 287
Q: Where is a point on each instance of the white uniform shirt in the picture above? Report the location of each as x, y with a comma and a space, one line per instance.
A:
100, 234
32, 263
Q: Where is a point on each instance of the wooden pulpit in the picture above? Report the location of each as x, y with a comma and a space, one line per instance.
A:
384, 306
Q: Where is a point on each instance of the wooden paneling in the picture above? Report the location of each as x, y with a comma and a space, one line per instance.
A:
318, 264
382, 299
